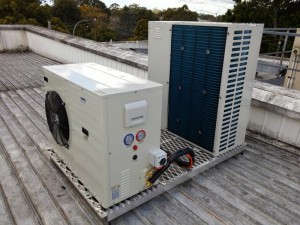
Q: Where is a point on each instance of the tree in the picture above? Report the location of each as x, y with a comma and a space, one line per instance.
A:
8, 20
96, 30
103, 33
67, 11
141, 30
18, 10
114, 7
29, 21
41, 13
179, 14
94, 3
207, 17
56, 24
125, 19
89, 13
273, 13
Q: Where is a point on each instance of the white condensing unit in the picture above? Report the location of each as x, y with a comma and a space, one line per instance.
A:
207, 70
105, 126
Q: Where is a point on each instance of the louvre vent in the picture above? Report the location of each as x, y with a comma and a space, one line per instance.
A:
125, 183
234, 92
157, 33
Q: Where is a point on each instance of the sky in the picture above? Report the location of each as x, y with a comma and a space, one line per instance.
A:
215, 7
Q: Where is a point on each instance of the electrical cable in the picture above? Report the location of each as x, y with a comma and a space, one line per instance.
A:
175, 157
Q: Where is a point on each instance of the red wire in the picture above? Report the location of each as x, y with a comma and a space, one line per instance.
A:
190, 160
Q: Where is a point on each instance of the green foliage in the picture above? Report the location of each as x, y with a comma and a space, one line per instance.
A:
125, 19
179, 14
141, 30
13, 11
67, 11
102, 33
29, 21
114, 7
207, 17
41, 13
273, 13
94, 4
56, 24
8, 20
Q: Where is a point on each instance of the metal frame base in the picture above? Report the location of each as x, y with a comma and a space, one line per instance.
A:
171, 178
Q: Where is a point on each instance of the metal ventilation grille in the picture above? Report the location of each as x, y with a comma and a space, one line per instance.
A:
157, 33
125, 183
235, 85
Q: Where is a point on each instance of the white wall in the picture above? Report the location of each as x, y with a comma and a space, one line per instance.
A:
55, 49
275, 125
11, 40
275, 112
68, 54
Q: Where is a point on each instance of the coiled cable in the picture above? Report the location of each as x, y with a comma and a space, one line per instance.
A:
175, 157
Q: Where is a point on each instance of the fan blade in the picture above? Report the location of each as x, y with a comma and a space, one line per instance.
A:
63, 140
61, 106
57, 118
55, 134
50, 103
63, 127
55, 101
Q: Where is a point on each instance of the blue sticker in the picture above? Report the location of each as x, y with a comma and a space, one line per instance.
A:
115, 193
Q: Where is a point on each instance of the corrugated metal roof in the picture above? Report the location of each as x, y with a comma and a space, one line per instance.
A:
260, 187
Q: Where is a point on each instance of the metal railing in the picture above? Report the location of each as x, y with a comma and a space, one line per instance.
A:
282, 32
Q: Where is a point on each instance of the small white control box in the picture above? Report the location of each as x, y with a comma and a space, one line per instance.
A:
157, 158
135, 113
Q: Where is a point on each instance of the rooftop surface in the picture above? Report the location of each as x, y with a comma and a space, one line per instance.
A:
262, 186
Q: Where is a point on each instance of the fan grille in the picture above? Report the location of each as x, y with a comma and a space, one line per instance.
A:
57, 118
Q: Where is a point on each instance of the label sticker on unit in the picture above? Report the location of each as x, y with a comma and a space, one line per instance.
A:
83, 100
115, 192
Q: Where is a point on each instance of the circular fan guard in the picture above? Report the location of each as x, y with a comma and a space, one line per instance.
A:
57, 118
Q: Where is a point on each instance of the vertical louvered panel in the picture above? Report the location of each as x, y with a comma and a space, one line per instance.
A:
197, 57
235, 85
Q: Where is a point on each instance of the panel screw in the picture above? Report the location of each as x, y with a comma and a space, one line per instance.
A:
200, 132
179, 87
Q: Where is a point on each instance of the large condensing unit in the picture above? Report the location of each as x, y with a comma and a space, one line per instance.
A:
105, 126
207, 70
